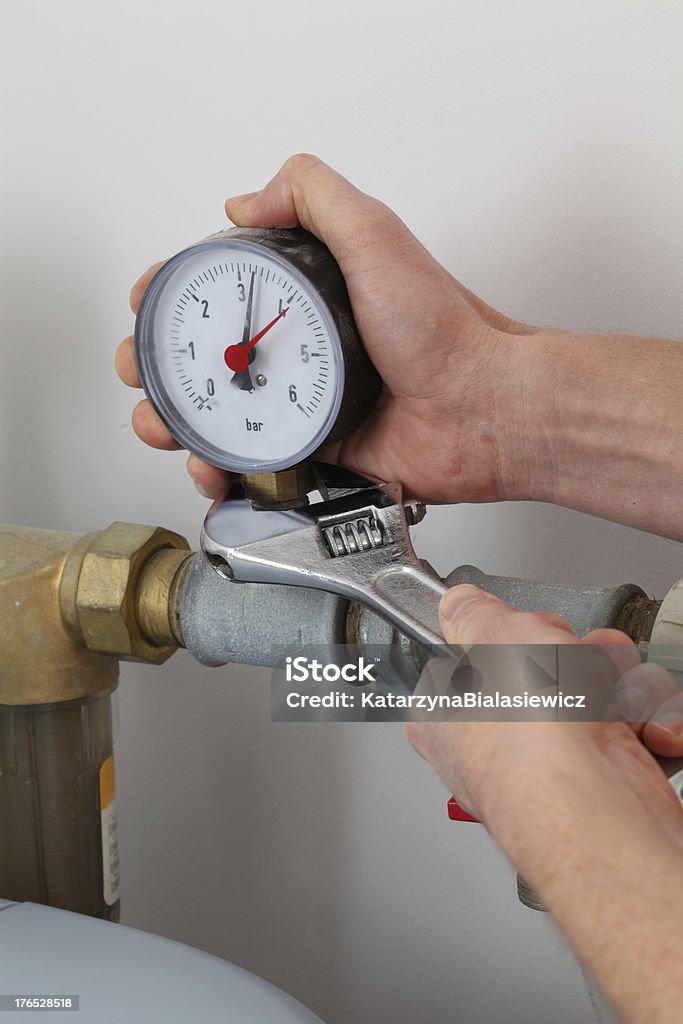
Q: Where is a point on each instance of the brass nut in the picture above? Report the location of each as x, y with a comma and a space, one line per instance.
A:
41, 661
100, 601
282, 490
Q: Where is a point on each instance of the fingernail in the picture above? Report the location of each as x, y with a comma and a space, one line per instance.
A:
631, 701
670, 722
203, 491
245, 198
455, 600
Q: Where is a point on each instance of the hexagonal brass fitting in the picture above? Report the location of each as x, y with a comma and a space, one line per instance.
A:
103, 579
40, 662
282, 490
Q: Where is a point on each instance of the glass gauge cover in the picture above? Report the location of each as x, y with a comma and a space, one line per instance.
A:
242, 356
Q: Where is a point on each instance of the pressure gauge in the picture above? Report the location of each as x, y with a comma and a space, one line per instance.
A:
247, 347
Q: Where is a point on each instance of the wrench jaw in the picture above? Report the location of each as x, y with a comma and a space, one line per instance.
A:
356, 544
233, 528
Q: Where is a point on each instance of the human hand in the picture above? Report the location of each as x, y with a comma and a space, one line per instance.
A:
452, 366
581, 809
482, 762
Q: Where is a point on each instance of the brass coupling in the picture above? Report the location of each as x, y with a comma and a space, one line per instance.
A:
71, 606
120, 588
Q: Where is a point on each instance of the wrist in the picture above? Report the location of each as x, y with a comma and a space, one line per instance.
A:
523, 384
495, 406
529, 378
595, 425
585, 809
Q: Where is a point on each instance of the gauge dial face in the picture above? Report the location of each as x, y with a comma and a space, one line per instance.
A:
240, 356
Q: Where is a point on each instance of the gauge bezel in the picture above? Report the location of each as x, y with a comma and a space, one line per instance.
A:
147, 344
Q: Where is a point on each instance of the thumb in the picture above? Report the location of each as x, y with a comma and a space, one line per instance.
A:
469, 615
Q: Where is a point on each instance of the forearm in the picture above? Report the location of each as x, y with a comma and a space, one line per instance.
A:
598, 832
600, 423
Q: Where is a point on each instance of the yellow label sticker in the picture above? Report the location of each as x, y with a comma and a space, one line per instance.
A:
110, 841
107, 783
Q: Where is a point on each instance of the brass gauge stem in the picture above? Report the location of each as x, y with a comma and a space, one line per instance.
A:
279, 491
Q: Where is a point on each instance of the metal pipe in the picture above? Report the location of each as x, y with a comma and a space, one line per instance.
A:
254, 623
70, 607
57, 809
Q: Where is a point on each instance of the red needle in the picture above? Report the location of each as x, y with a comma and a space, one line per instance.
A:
237, 356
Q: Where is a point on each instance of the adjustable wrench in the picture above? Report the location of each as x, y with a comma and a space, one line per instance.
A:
354, 542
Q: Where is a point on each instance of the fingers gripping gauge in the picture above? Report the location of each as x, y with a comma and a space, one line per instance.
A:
247, 348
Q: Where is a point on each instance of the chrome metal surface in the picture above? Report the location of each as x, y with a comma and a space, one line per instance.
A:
356, 545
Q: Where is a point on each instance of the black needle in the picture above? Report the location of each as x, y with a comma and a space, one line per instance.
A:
243, 377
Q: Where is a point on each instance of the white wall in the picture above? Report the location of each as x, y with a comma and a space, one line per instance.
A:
536, 149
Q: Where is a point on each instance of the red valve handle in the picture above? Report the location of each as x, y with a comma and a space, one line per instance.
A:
458, 813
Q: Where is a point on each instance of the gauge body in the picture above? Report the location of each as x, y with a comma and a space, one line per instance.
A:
247, 347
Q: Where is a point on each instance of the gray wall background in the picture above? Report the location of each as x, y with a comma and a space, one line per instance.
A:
536, 149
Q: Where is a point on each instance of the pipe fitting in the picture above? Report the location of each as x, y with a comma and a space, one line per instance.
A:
115, 591
157, 602
637, 619
68, 601
666, 640
40, 662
